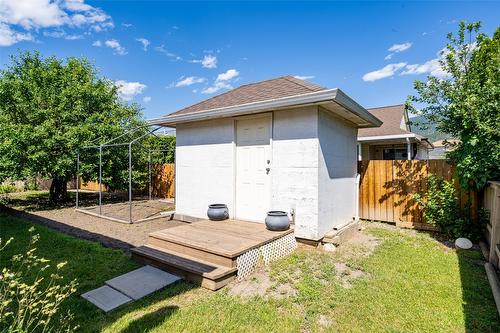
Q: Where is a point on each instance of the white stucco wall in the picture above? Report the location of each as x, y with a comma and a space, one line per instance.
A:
337, 172
294, 183
204, 166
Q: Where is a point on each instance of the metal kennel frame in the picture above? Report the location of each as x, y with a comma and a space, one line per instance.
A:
113, 143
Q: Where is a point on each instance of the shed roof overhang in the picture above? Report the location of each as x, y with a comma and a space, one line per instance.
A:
333, 100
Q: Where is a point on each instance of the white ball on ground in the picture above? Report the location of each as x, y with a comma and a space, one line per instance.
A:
463, 243
328, 247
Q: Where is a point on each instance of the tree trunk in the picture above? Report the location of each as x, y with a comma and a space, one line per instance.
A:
58, 190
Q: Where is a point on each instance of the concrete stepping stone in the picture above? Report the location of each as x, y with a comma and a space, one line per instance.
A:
106, 298
142, 282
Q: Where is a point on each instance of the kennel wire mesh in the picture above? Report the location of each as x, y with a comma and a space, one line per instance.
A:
126, 162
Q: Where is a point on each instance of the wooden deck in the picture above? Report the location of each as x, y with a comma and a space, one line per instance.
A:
205, 252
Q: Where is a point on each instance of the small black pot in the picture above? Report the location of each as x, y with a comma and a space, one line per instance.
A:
277, 220
217, 212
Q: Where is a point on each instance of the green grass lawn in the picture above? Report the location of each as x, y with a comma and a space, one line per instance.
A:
409, 283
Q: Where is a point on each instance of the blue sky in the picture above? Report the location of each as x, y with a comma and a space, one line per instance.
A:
167, 55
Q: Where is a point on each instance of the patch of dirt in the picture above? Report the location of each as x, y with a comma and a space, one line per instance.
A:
260, 284
255, 285
362, 240
109, 233
324, 321
347, 274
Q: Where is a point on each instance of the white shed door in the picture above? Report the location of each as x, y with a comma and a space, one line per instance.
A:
253, 157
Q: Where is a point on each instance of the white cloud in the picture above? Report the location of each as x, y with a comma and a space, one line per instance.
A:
208, 61
396, 48
304, 77
216, 87
166, 52
97, 43
128, 90
115, 45
127, 25
400, 47
31, 14
386, 71
55, 33
228, 75
145, 43
59, 33
77, 5
73, 37
146, 99
9, 36
222, 82
432, 66
187, 81
36, 15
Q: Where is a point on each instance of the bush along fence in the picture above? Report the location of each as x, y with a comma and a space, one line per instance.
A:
162, 181
394, 191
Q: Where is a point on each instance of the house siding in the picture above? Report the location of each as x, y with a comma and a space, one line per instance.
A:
204, 166
337, 172
295, 167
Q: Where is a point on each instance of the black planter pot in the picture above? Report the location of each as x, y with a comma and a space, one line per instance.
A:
217, 212
277, 220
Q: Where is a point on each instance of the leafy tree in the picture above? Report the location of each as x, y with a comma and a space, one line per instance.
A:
466, 102
48, 109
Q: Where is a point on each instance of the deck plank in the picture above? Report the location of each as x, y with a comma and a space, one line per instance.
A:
227, 238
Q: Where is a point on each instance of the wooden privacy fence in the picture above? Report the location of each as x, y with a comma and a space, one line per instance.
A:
162, 181
387, 187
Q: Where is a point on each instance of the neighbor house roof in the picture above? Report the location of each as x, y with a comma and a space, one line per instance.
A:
446, 142
275, 94
395, 126
393, 118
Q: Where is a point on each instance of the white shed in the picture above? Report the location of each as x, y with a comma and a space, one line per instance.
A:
281, 144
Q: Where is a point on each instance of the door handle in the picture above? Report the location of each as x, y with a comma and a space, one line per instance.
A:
267, 170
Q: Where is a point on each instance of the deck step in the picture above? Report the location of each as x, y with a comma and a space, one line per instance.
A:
185, 249
207, 274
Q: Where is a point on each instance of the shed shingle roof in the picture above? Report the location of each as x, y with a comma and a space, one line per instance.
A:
280, 87
392, 116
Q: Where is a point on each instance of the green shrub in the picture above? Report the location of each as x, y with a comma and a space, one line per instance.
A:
441, 207
32, 304
7, 188
30, 185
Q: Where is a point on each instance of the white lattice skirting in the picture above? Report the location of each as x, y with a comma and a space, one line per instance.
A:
279, 248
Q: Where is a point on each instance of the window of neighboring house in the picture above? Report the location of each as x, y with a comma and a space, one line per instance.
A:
398, 152
395, 154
